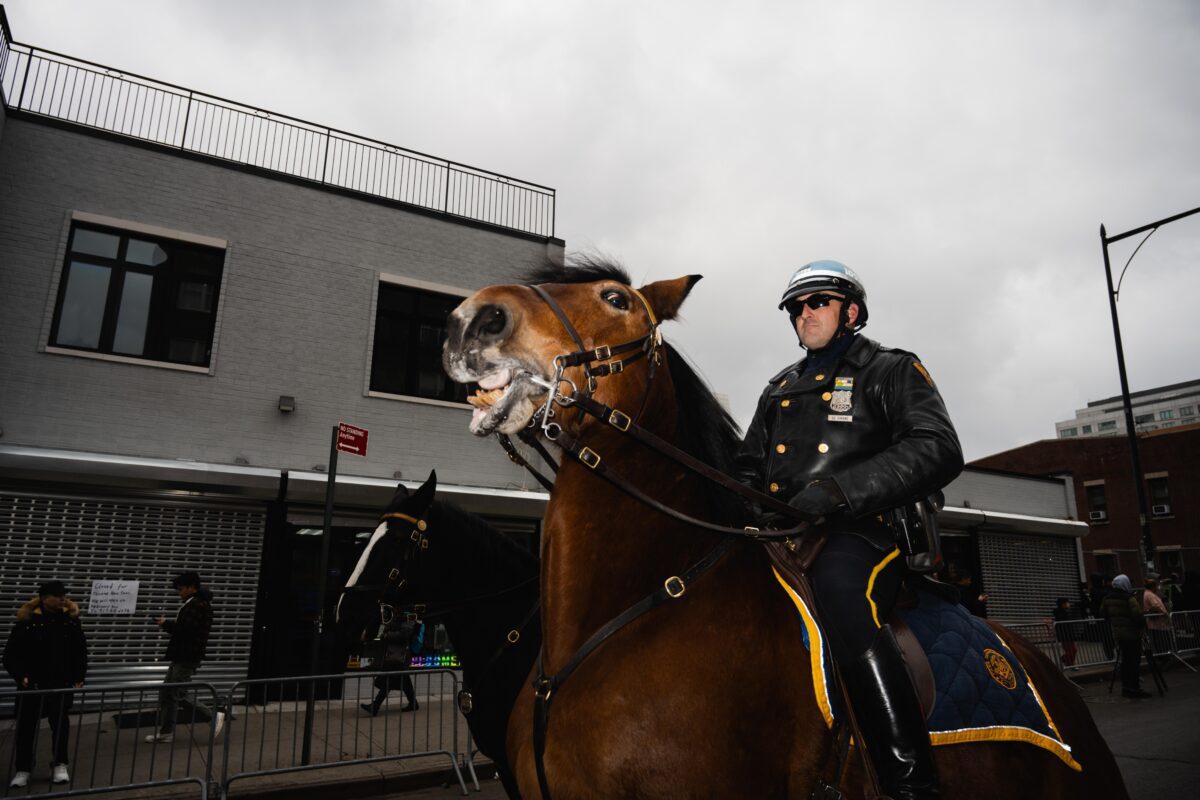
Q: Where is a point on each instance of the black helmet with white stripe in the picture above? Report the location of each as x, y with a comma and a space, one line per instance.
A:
822, 276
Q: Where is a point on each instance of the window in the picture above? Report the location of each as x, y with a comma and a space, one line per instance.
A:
1166, 413
1187, 411
1160, 495
1087, 428
1097, 502
130, 294
1066, 433
1143, 418
410, 326
1108, 425
1108, 564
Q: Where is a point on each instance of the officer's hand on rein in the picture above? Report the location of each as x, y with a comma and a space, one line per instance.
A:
818, 501
815, 503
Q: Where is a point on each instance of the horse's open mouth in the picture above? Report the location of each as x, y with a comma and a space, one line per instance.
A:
503, 402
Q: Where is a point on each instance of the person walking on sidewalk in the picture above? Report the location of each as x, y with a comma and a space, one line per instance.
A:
185, 650
1124, 615
46, 650
411, 638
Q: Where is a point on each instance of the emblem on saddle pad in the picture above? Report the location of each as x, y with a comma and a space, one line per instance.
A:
999, 668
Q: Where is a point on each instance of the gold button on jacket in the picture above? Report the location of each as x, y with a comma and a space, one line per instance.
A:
894, 444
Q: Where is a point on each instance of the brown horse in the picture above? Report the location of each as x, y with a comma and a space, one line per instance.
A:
710, 694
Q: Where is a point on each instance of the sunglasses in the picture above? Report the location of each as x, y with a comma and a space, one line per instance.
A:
813, 301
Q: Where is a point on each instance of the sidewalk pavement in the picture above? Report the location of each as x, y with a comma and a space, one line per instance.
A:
1156, 742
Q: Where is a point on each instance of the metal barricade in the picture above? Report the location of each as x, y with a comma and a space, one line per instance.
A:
1041, 635
1185, 631
318, 722
99, 735
1083, 643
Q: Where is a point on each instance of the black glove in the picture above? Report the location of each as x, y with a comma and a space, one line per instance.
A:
818, 501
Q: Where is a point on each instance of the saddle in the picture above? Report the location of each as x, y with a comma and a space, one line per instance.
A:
792, 558
984, 692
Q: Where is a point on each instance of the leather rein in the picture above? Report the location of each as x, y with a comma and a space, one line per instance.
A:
581, 399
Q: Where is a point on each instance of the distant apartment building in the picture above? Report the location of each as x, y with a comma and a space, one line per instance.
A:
1102, 474
1153, 409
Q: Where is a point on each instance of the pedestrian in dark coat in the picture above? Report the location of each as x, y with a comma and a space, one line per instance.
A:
1124, 615
185, 650
46, 650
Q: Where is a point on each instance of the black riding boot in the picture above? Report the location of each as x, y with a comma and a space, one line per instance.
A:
889, 716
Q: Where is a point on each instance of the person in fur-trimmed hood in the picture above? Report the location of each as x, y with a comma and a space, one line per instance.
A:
46, 650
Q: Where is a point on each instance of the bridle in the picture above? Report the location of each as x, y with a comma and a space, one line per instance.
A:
397, 578
649, 346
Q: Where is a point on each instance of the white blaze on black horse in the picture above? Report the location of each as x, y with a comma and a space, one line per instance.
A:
709, 695
471, 578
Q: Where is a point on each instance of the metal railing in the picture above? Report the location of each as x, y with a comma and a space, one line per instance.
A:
316, 722
268, 727
99, 735
1081, 643
57, 86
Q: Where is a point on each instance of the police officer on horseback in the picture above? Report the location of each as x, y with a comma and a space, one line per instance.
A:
847, 435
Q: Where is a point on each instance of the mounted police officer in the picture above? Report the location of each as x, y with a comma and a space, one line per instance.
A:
847, 435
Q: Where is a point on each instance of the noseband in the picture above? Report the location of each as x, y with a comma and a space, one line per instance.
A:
395, 581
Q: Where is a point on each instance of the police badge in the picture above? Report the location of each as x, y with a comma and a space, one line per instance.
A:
840, 401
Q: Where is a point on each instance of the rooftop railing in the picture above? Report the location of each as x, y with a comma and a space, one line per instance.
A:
56, 86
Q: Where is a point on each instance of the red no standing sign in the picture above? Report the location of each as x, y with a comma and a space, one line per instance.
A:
351, 439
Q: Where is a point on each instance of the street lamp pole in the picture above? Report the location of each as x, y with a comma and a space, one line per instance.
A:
1105, 241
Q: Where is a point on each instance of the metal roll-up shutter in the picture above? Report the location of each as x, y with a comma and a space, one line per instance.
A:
522, 531
1023, 574
81, 539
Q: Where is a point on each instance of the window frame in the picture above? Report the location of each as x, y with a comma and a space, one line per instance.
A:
128, 230
415, 284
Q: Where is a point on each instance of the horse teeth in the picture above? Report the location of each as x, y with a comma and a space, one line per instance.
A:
483, 399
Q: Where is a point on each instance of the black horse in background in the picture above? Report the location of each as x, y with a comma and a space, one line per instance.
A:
470, 577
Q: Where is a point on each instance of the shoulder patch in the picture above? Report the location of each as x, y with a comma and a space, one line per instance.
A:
924, 372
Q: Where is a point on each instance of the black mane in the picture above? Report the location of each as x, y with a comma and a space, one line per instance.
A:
579, 269
706, 429
490, 546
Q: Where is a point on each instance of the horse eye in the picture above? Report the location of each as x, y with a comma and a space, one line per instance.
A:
615, 299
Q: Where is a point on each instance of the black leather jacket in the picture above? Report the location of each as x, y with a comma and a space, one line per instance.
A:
875, 424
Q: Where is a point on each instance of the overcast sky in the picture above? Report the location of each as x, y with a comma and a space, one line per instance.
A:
960, 156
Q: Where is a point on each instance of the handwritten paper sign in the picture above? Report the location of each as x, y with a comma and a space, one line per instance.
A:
113, 597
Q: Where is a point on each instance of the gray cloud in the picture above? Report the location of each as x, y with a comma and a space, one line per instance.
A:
960, 157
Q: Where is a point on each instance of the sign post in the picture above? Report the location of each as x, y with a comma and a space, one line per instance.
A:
347, 439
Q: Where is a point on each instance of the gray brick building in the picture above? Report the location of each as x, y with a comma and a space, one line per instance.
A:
192, 293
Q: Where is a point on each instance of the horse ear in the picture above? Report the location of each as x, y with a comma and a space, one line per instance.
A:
665, 297
425, 494
401, 493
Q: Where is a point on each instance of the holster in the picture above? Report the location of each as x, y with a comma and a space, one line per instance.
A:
916, 532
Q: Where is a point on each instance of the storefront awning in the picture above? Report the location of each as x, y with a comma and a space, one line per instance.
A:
955, 517
179, 476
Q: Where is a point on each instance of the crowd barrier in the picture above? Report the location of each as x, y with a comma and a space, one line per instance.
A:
267, 727
100, 734
1082, 643
279, 725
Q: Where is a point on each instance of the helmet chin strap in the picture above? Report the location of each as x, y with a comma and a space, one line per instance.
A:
843, 326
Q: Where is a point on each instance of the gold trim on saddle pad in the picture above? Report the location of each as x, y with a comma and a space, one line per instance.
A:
995, 733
